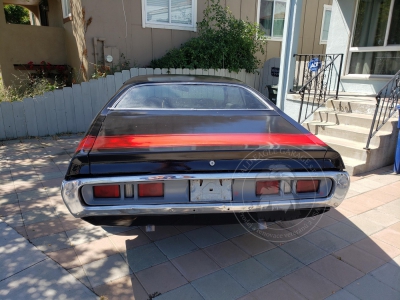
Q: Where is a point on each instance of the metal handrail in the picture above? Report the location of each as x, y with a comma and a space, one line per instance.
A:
320, 82
389, 102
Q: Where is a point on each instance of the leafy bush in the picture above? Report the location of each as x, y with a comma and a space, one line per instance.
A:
25, 88
223, 42
16, 14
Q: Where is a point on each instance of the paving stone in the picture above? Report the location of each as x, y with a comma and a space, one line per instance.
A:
36, 216
279, 262
336, 270
144, 257
304, 251
127, 287
85, 235
161, 232
40, 229
326, 240
379, 217
98, 249
389, 236
8, 234
129, 239
364, 224
185, 292
252, 244
8, 199
106, 269
251, 274
226, 253
311, 284
13, 220
17, 255
195, 265
218, 286
80, 275
9, 209
346, 232
275, 290
32, 195
395, 261
154, 278
359, 259
230, 230
205, 236
390, 209
67, 258
111, 230
378, 248
53, 283
342, 294
52, 242
176, 245
388, 274
367, 287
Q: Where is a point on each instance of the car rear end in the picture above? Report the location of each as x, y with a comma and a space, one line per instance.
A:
198, 151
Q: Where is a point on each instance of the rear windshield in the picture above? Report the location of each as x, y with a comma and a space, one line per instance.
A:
189, 96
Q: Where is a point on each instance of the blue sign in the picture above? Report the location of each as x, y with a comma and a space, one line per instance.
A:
274, 72
314, 64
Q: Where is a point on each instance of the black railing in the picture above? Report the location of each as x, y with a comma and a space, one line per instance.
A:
386, 102
316, 76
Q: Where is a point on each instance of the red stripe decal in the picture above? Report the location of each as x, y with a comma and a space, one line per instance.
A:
86, 143
205, 139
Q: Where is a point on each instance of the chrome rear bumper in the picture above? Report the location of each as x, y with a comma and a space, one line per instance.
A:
70, 191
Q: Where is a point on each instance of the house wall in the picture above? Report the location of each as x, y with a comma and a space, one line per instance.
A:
340, 34
141, 45
20, 44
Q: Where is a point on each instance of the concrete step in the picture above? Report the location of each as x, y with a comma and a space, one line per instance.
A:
348, 148
358, 106
353, 119
354, 166
348, 132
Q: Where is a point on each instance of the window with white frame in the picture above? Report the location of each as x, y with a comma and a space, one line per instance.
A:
375, 47
170, 14
66, 8
271, 17
326, 20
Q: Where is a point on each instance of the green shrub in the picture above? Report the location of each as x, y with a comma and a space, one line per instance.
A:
224, 42
16, 14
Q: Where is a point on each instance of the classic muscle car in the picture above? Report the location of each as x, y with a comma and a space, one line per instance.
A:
173, 149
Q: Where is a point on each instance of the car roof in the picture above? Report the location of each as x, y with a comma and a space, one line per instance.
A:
180, 78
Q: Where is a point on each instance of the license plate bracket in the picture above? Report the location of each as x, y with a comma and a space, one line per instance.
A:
214, 190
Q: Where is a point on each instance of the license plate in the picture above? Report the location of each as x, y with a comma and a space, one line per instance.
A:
211, 190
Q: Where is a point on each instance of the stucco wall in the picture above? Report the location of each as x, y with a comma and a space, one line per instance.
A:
20, 44
144, 44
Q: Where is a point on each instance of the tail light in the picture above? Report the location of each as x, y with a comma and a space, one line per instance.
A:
307, 186
106, 191
151, 190
86, 144
270, 187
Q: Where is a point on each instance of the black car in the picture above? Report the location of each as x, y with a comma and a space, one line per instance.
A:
172, 149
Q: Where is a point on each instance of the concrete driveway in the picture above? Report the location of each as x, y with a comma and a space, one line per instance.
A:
349, 253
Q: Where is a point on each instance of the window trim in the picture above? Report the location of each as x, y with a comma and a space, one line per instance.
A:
384, 48
326, 7
270, 38
66, 9
191, 27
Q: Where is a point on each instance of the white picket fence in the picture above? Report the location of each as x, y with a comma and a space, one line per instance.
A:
72, 109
